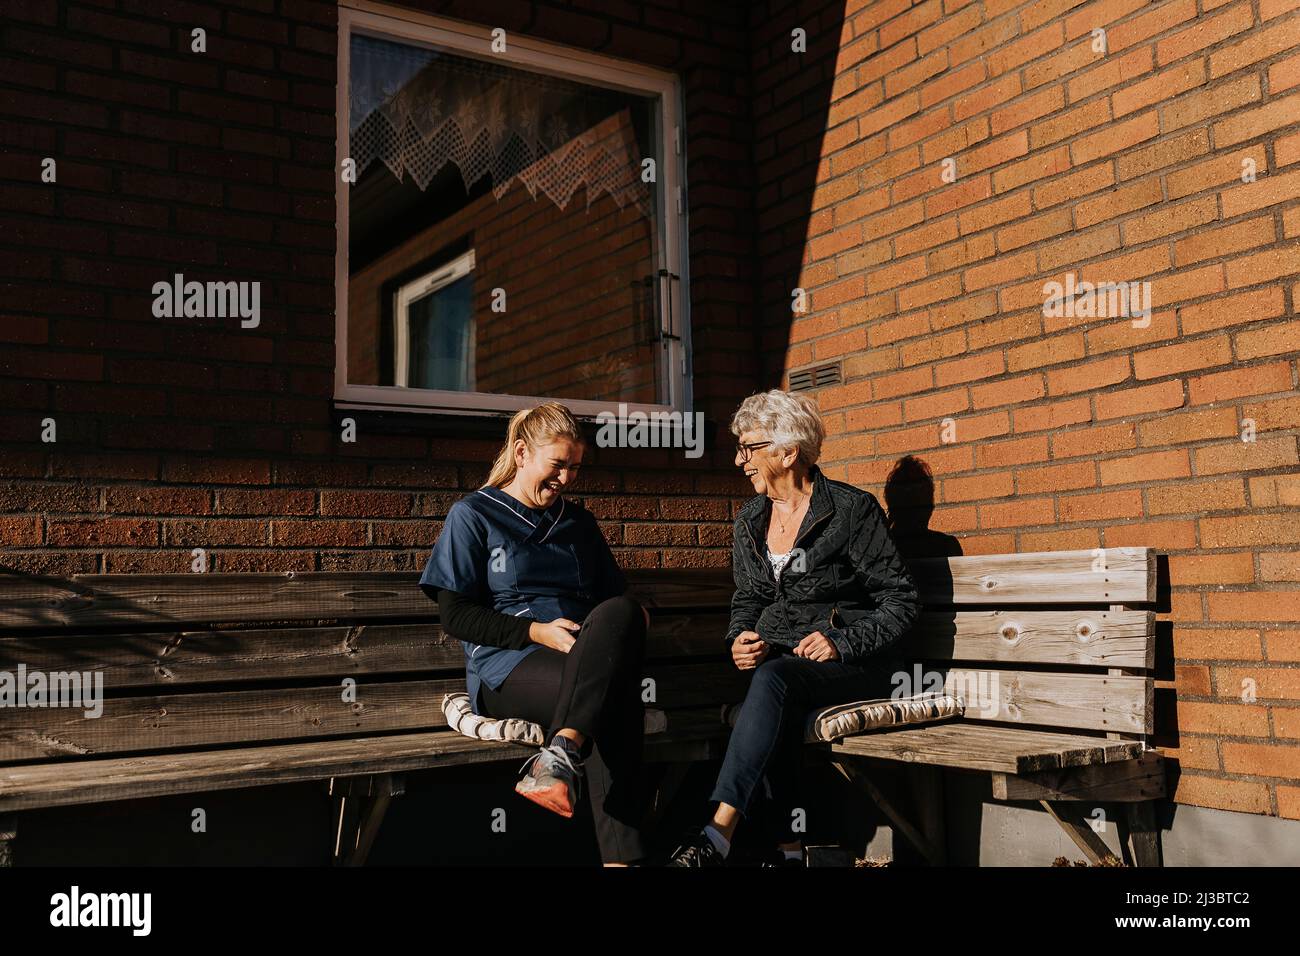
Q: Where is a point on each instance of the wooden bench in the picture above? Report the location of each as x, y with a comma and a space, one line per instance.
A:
224, 681
1065, 643
230, 681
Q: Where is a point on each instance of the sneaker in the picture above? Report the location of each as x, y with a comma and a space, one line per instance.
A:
554, 779
697, 851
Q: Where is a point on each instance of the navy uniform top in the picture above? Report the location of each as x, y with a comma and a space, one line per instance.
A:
537, 564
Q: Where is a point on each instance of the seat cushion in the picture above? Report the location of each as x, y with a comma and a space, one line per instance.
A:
828, 724
462, 719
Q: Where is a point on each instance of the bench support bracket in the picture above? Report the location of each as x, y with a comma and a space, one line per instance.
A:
928, 845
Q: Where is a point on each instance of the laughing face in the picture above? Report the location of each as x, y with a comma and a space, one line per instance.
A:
546, 471
765, 463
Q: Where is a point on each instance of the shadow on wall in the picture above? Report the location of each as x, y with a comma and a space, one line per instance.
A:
909, 503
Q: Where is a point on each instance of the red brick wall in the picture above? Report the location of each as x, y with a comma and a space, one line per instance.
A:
1074, 432
183, 433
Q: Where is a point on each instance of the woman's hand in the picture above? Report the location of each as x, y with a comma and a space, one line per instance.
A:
557, 634
749, 650
817, 647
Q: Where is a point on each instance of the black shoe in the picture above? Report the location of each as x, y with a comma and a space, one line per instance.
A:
697, 851
778, 859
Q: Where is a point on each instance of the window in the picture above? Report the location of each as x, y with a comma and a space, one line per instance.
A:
434, 329
510, 224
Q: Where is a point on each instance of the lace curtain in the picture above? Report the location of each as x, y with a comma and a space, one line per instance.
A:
415, 110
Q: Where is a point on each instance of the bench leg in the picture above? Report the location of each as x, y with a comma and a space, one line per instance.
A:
359, 808
902, 826
1066, 814
927, 786
8, 834
674, 776
1142, 839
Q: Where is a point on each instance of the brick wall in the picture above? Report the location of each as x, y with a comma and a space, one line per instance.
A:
181, 433
1068, 432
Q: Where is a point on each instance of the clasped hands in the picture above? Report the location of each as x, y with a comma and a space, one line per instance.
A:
749, 650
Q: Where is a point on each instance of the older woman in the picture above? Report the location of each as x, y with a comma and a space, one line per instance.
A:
820, 590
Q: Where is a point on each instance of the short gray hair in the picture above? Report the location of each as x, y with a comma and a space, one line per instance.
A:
788, 419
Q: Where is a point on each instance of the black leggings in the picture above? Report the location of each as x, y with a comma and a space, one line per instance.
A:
595, 689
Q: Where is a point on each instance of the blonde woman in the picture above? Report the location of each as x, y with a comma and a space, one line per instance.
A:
525, 579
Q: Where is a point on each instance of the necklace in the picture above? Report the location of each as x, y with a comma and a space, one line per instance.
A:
793, 512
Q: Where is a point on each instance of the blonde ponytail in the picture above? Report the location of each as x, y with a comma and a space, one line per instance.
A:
537, 426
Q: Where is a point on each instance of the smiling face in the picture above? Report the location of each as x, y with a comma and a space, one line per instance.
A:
546, 471
765, 465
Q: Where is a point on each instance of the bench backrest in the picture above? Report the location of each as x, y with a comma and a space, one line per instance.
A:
1062, 640
202, 660
1057, 640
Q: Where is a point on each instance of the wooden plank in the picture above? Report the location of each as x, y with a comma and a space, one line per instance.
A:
166, 600
986, 747
180, 658
1068, 701
1045, 577
174, 721
691, 735
1096, 638
161, 600
1130, 780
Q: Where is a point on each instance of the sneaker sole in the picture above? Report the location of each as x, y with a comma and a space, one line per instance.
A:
555, 799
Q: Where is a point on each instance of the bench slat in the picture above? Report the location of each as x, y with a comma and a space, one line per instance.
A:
177, 658
1071, 701
161, 600
176, 721
1099, 638
1046, 577
691, 735
984, 747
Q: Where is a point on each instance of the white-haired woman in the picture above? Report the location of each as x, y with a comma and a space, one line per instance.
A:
820, 590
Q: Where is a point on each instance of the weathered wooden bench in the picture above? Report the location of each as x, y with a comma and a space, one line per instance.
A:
1054, 653
225, 681
230, 681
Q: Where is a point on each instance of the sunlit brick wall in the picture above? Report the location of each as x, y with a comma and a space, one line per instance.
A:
1117, 141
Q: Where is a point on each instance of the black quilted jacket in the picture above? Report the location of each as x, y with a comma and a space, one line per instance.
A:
845, 578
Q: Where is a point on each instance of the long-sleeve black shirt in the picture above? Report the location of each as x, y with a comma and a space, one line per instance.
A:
467, 620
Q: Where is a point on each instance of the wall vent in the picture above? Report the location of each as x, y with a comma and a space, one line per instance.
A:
819, 377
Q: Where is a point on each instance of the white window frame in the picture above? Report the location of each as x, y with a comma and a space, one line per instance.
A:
673, 340
428, 284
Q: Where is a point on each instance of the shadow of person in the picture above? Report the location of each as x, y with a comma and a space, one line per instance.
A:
909, 503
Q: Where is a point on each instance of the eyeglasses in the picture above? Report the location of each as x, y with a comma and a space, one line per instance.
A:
746, 452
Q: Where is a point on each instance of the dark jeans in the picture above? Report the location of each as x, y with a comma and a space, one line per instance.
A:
765, 752
595, 689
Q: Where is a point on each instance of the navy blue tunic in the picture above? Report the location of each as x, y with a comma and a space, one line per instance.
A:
536, 564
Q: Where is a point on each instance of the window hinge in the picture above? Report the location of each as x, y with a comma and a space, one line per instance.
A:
681, 201
677, 140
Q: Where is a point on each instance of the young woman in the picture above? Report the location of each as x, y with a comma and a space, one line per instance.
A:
525, 580
820, 590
